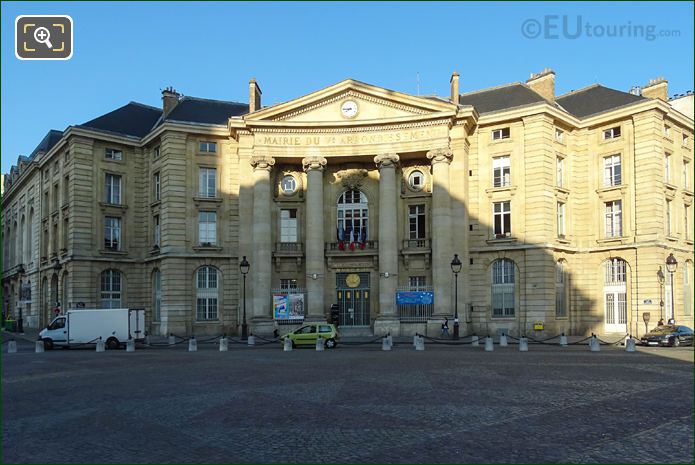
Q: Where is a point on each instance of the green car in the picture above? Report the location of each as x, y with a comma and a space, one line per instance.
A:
307, 335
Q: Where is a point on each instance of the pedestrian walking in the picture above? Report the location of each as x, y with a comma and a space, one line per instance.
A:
445, 327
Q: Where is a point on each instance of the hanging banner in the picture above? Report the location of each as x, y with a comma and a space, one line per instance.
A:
415, 298
288, 306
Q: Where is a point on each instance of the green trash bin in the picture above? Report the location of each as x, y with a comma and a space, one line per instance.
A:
11, 325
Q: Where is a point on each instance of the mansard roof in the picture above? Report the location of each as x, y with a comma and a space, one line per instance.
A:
134, 119
595, 99
47, 143
206, 111
500, 98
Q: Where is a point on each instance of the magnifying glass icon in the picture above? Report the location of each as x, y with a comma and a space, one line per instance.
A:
42, 35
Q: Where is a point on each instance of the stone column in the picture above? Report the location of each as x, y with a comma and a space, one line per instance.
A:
261, 266
314, 244
388, 245
441, 233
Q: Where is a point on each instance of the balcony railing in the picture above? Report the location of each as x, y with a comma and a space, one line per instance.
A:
288, 247
416, 244
347, 247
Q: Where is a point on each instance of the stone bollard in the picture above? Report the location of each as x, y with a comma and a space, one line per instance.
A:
147, 339
415, 338
320, 344
390, 338
385, 344
100, 345
130, 346
288, 345
475, 341
523, 344
563, 340
420, 344
503, 340
591, 340
12, 347
172, 339
630, 344
192, 344
595, 346
251, 340
224, 344
489, 346
39, 347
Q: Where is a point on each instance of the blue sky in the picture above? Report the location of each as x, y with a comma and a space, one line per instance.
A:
129, 51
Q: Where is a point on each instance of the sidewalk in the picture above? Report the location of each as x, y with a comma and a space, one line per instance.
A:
29, 334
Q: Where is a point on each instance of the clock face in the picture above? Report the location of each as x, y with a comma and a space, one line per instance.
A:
349, 108
352, 280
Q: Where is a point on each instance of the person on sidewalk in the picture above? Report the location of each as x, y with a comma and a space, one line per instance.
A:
445, 327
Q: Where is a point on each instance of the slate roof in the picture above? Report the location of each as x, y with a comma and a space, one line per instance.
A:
47, 143
500, 98
206, 111
134, 119
595, 99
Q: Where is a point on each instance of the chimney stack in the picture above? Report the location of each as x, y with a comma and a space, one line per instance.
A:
543, 83
254, 96
454, 81
657, 88
170, 98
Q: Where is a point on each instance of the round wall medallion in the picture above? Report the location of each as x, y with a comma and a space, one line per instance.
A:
349, 109
288, 185
352, 280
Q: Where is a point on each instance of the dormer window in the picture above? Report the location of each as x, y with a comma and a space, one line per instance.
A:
612, 133
499, 134
113, 154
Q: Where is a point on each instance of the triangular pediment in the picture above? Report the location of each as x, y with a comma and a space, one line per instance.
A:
368, 104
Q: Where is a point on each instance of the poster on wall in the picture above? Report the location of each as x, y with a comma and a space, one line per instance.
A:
25, 293
288, 306
414, 298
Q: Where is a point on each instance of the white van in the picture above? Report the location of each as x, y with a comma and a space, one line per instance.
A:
81, 326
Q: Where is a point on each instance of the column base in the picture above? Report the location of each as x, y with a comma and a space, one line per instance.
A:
262, 326
384, 325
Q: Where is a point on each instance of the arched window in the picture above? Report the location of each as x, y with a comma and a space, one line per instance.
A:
207, 293
13, 245
64, 290
353, 217
560, 286
30, 237
615, 295
157, 295
503, 299
111, 289
688, 288
20, 239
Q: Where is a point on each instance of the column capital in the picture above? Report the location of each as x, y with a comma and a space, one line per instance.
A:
440, 155
262, 162
314, 162
386, 160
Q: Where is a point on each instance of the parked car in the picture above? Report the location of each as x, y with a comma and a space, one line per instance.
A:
668, 335
309, 333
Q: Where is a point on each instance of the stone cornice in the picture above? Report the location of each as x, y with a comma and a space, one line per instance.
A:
386, 160
407, 122
314, 162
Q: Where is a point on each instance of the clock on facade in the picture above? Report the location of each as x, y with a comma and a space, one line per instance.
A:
349, 108
352, 280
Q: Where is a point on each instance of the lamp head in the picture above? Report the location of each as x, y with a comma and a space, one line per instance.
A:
456, 264
671, 263
244, 266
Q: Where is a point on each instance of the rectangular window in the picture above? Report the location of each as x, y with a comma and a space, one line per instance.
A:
559, 135
416, 221
56, 194
686, 140
667, 131
667, 168
669, 216
208, 147
417, 283
288, 225
208, 182
156, 152
502, 219
560, 219
560, 301
612, 171
501, 172
157, 231
156, 183
112, 233
157, 291
686, 217
499, 134
113, 189
113, 154
503, 300
614, 219
207, 228
288, 284
611, 133
559, 171
66, 190
686, 175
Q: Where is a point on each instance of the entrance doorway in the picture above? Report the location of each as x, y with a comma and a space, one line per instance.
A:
615, 296
352, 292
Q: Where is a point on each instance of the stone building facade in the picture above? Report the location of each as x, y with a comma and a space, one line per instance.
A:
562, 210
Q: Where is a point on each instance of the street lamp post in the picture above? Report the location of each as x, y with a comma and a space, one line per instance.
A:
244, 267
671, 265
456, 269
661, 278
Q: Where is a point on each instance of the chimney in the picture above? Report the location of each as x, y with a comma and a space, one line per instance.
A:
254, 96
657, 88
543, 83
170, 98
454, 81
